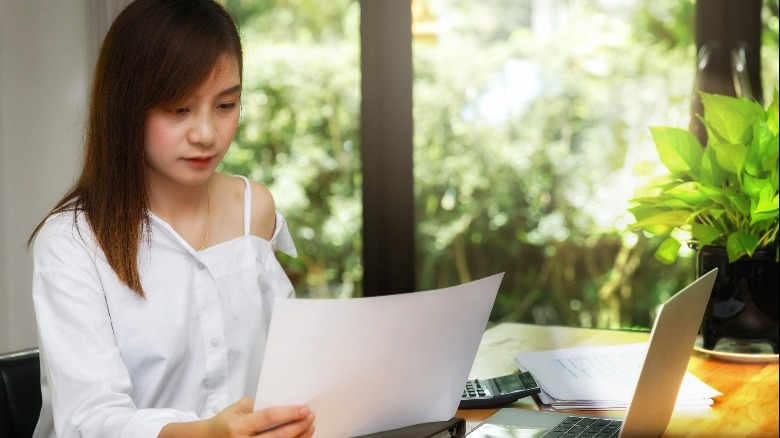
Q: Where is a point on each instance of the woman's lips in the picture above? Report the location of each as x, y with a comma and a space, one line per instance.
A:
198, 162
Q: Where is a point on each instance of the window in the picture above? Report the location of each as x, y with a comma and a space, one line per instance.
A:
468, 137
530, 125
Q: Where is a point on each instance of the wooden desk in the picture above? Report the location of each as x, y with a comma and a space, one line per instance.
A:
747, 408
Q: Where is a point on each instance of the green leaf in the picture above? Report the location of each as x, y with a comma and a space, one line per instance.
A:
667, 218
716, 212
754, 186
674, 204
764, 147
765, 208
644, 210
741, 202
730, 157
771, 114
718, 194
688, 192
770, 162
657, 230
711, 174
646, 207
705, 234
667, 251
740, 243
729, 119
678, 149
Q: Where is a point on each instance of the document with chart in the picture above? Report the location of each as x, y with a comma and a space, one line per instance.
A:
600, 377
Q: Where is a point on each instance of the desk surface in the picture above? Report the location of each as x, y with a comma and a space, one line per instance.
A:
747, 408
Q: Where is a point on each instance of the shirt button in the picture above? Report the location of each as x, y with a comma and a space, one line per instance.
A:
201, 266
214, 409
214, 342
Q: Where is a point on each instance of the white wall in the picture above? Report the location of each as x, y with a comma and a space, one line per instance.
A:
46, 57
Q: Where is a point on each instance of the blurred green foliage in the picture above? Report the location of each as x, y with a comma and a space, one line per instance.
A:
299, 132
535, 183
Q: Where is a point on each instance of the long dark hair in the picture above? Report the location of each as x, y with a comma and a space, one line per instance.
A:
157, 52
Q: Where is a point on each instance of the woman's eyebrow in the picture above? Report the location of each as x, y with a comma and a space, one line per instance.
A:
231, 90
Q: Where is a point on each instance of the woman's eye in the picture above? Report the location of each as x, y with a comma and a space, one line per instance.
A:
227, 106
181, 111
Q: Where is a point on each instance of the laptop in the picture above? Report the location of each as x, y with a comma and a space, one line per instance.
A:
372, 364
671, 341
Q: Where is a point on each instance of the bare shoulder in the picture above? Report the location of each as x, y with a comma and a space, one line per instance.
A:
232, 193
231, 189
263, 219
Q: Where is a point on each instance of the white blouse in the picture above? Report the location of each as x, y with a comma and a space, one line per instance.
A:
116, 365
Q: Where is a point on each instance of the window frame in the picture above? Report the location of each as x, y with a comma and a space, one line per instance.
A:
387, 146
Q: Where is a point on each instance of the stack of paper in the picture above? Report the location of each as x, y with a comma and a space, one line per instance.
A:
601, 377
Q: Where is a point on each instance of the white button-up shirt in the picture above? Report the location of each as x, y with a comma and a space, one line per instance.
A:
116, 365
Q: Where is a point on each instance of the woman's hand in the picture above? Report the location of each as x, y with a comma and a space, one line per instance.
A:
239, 421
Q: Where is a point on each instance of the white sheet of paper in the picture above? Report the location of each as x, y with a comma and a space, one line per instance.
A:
365, 365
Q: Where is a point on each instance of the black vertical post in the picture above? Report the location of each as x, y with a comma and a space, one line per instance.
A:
727, 30
386, 146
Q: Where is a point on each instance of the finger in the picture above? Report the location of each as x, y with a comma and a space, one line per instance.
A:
277, 416
308, 433
300, 429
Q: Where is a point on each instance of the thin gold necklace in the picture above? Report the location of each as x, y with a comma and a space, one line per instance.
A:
208, 217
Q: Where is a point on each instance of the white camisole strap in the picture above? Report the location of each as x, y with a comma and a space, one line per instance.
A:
247, 204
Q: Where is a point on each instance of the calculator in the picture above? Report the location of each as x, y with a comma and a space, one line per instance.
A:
497, 391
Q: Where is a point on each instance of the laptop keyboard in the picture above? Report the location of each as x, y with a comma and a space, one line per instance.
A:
585, 427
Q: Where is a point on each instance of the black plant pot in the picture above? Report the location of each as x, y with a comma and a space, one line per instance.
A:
743, 305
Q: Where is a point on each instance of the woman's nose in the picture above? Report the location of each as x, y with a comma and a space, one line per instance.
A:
203, 131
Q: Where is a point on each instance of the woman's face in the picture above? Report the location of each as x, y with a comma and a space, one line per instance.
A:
185, 142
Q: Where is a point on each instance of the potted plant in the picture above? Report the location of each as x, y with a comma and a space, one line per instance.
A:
722, 200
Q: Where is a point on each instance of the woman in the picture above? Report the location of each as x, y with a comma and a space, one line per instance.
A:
154, 275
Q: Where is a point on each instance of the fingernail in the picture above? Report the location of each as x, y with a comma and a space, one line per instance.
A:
304, 411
